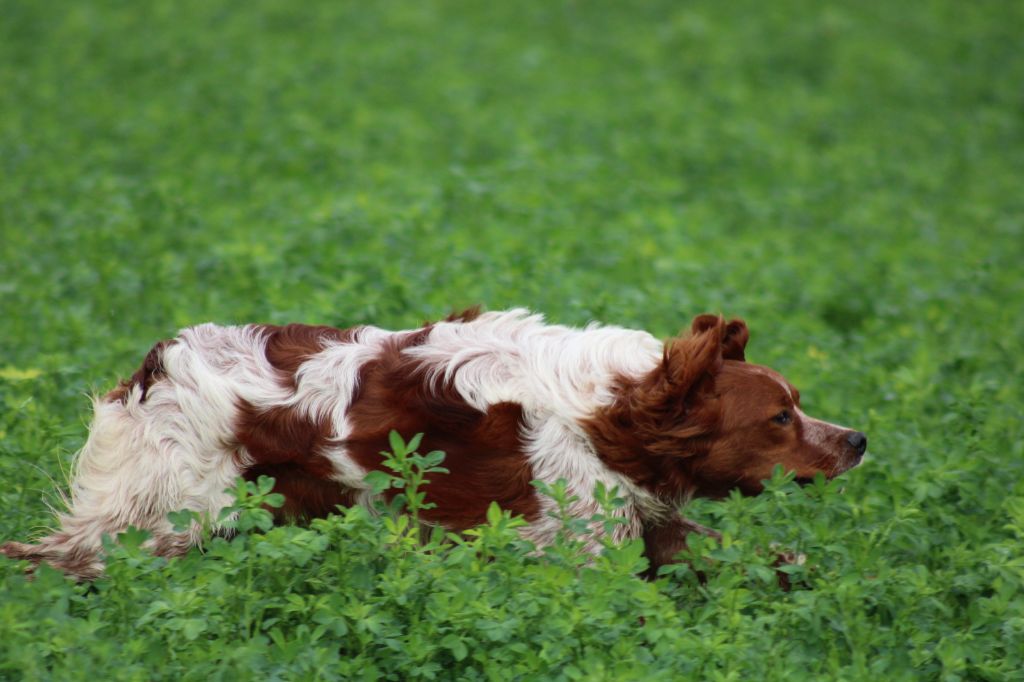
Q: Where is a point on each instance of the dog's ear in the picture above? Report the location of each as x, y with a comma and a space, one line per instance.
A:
733, 335
705, 322
672, 409
694, 357
734, 343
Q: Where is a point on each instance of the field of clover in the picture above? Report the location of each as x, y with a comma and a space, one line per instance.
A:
846, 177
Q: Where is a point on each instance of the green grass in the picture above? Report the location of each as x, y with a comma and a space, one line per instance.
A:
847, 178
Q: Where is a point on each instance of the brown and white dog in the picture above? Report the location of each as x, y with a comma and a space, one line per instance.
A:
508, 398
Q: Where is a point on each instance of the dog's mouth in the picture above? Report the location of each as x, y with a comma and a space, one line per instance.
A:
836, 471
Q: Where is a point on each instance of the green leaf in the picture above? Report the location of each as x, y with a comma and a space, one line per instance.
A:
192, 628
494, 514
265, 484
132, 538
414, 444
456, 646
182, 520
378, 481
397, 444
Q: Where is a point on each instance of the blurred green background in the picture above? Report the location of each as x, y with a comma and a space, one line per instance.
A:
845, 176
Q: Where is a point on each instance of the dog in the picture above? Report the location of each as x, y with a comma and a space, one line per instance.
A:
508, 398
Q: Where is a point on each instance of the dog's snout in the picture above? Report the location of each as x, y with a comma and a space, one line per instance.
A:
858, 441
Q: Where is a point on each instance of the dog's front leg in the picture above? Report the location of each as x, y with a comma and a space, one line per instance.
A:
665, 539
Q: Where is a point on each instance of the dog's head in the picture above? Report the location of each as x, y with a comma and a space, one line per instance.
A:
714, 422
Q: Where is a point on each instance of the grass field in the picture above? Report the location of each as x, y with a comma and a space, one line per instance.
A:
846, 177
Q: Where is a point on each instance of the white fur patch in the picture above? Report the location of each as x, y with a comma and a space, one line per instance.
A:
817, 432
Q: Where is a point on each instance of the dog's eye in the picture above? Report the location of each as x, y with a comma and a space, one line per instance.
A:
782, 417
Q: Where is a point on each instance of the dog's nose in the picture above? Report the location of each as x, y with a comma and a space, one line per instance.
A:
858, 441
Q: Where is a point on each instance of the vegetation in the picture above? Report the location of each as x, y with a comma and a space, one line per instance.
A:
846, 177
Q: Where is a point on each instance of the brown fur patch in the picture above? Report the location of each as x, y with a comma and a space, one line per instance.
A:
467, 315
172, 545
290, 345
284, 443
483, 450
151, 371
79, 563
282, 435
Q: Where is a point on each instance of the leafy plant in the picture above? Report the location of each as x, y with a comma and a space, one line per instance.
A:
410, 473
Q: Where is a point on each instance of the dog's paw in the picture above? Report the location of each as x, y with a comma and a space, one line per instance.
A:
787, 558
